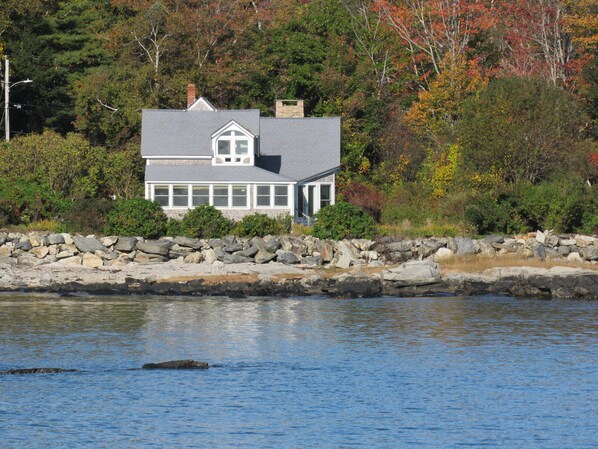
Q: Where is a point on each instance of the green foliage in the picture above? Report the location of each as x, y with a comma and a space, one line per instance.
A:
136, 217
488, 214
174, 228
519, 129
260, 225
205, 222
87, 215
22, 202
343, 220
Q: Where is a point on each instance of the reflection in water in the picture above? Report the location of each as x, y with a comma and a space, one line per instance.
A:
317, 372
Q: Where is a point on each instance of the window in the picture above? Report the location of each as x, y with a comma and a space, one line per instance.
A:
180, 196
233, 147
325, 195
239, 196
281, 196
263, 196
161, 195
221, 196
200, 195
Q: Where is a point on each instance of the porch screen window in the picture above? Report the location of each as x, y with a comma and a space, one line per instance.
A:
201, 195
180, 196
221, 196
263, 196
325, 195
281, 196
233, 146
161, 195
239, 196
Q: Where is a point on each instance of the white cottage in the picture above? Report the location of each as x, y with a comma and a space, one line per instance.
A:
238, 161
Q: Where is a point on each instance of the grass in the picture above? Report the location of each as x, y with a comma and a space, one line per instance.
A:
430, 229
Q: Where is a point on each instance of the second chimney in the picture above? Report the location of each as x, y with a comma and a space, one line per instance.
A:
190, 94
289, 108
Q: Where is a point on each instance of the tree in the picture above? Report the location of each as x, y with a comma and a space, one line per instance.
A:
520, 129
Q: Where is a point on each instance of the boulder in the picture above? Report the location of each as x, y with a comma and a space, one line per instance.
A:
209, 256
589, 253
6, 250
249, 252
465, 246
286, 257
109, 241
37, 240
194, 257
494, 239
344, 261
28, 260
312, 261
443, 254
3, 238
4, 260
232, 248
88, 244
91, 260
24, 245
126, 244
574, 257
401, 246
142, 257
216, 243
40, 251
177, 364
541, 237
413, 273
272, 245
234, 258
188, 242
539, 251
72, 260
294, 245
156, 247
327, 250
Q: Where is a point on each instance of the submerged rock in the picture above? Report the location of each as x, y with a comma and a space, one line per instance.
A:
38, 371
177, 364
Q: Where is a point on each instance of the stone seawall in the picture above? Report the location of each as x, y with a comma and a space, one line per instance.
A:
283, 266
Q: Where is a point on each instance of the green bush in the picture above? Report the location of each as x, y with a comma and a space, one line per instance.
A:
255, 225
25, 201
87, 215
343, 220
136, 217
205, 222
489, 213
174, 227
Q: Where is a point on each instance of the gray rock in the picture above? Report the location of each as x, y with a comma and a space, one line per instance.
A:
216, 243
249, 252
27, 260
158, 247
172, 254
541, 237
413, 273
286, 257
272, 245
493, 239
229, 239
40, 251
465, 246
233, 247
109, 241
64, 254
220, 253
37, 240
428, 248
327, 250
589, 253
312, 261
6, 250
399, 256
294, 245
88, 244
126, 244
539, 251
91, 260
24, 245
195, 257
563, 250
235, 258
3, 238
401, 246
188, 242
55, 239
72, 260
209, 256
443, 254
344, 261
177, 364
574, 257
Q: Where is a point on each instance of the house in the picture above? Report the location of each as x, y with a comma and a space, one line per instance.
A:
238, 161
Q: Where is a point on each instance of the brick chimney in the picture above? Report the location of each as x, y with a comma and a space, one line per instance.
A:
190, 94
289, 108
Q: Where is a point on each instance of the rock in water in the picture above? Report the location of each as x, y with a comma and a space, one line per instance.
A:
177, 364
38, 371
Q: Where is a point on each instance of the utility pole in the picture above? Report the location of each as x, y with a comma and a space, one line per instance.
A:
7, 87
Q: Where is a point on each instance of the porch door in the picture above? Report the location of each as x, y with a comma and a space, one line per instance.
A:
306, 200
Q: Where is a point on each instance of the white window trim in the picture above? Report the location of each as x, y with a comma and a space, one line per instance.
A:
234, 126
273, 196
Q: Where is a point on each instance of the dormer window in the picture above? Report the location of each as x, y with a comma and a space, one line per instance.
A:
233, 145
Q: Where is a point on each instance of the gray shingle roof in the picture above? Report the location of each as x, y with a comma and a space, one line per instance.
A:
300, 148
290, 149
188, 133
209, 173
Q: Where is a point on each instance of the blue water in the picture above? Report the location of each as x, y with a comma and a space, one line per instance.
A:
300, 373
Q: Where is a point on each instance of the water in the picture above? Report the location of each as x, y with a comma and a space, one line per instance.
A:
300, 373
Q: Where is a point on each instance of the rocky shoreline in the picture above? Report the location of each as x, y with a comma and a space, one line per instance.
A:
290, 266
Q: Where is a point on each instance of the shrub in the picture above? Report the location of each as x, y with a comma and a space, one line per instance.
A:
343, 220
365, 197
88, 215
174, 227
205, 222
256, 225
24, 201
488, 214
136, 217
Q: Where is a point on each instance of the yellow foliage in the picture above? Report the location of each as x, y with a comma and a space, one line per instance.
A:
581, 21
437, 109
440, 169
364, 166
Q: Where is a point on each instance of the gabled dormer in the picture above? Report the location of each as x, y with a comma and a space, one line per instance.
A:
233, 145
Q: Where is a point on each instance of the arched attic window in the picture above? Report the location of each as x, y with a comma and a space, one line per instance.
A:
233, 145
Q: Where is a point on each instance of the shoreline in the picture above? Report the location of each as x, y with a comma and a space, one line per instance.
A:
411, 279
